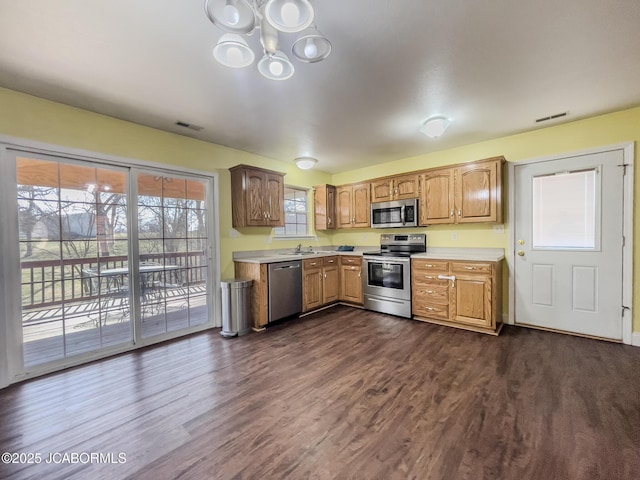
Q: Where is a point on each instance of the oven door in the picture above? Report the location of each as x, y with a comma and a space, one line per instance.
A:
388, 277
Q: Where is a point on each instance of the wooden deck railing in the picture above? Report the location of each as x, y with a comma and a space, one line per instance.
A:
52, 282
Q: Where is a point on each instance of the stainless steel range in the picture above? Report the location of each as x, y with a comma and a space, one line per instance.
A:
387, 282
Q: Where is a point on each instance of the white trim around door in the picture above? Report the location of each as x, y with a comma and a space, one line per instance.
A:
628, 336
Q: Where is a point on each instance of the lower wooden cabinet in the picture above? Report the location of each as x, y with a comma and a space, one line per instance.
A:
465, 294
351, 279
320, 282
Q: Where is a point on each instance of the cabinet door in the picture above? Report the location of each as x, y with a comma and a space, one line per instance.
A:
331, 207
471, 302
478, 193
311, 289
325, 207
343, 208
351, 284
436, 200
331, 285
382, 190
406, 186
361, 207
255, 192
274, 200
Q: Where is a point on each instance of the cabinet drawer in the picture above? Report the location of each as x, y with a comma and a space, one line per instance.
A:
427, 309
422, 277
351, 260
471, 267
327, 261
430, 265
431, 293
311, 263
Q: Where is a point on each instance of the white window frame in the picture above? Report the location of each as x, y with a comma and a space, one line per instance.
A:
11, 358
308, 212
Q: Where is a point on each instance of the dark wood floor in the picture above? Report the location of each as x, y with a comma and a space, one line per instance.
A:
339, 394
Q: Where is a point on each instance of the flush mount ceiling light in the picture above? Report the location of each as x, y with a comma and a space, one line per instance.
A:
270, 17
435, 126
305, 163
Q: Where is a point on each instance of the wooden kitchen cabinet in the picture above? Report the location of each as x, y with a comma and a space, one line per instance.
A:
320, 282
325, 207
257, 197
398, 187
258, 272
467, 193
464, 294
354, 205
311, 284
351, 289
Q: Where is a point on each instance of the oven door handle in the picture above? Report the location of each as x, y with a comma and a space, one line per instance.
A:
448, 277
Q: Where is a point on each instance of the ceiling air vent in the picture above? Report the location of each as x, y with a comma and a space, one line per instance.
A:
190, 126
552, 117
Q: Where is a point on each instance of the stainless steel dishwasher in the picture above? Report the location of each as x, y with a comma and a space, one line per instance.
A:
285, 289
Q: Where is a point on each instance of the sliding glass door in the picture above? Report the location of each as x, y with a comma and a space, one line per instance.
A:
109, 256
173, 242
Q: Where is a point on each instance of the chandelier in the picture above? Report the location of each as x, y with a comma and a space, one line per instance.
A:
271, 17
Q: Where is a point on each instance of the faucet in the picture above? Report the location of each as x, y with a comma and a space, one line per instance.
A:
298, 248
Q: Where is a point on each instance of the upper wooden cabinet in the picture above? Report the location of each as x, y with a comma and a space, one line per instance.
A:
325, 207
395, 188
468, 193
257, 197
354, 205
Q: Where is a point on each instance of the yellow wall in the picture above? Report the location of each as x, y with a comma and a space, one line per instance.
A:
37, 119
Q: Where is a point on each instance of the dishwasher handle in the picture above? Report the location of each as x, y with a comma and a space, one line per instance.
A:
286, 266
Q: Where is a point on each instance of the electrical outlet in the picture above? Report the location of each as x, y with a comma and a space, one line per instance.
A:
498, 229
233, 233
454, 236
268, 239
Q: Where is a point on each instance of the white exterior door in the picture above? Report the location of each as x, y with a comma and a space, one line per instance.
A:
569, 244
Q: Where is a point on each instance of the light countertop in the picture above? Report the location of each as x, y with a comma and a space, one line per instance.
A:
435, 253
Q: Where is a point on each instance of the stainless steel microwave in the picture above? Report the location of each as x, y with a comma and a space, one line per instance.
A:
398, 213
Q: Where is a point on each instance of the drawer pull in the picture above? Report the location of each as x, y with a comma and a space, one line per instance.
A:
429, 265
469, 268
430, 291
429, 309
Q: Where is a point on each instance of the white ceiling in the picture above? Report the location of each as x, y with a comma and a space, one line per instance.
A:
493, 66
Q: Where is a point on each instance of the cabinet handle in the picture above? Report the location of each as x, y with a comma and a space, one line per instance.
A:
452, 213
429, 265
429, 309
459, 212
359, 274
469, 268
325, 275
430, 277
430, 291
328, 221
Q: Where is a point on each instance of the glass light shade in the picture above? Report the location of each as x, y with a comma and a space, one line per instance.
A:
434, 127
289, 16
232, 51
222, 15
276, 67
305, 163
311, 46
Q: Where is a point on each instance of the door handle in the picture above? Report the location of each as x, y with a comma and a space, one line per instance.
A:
521, 253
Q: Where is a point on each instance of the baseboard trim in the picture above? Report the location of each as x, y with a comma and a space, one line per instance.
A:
635, 339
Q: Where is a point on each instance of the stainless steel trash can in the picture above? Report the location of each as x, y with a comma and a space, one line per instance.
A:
236, 306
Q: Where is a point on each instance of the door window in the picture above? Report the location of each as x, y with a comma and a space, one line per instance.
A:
566, 210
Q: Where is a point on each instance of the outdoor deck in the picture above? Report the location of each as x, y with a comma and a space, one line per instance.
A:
56, 332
